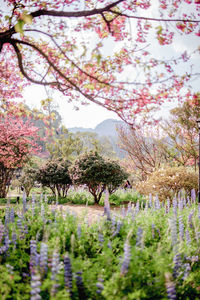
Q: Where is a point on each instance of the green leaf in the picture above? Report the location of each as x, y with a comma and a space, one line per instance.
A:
19, 26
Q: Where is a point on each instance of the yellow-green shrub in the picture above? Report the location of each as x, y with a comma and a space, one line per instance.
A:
168, 181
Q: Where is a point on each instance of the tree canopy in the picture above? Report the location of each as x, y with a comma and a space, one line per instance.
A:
100, 51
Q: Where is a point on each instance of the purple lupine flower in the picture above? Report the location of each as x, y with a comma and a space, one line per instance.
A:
180, 204
1, 231
34, 256
123, 212
187, 235
33, 204
100, 238
127, 257
129, 209
177, 265
80, 286
181, 228
139, 236
109, 245
193, 258
193, 196
187, 269
173, 224
54, 272
68, 274
7, 241
7, 216
45, 199
170, 286
42, 212
190, 219
12, 215
35, 287
79, 231
153, 230
14, 238
43, 258
99, 286
174, 204
157, 202
137, 207
118, 227
24, 202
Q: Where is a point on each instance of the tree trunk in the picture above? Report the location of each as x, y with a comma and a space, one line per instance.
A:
5, 179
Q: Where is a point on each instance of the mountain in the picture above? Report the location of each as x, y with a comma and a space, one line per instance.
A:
106, 128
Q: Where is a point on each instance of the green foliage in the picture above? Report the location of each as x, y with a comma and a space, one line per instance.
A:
168, 181
54, 174
124, 197
97, 173
150, 260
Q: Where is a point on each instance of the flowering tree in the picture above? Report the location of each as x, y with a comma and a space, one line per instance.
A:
88, 49
17, 142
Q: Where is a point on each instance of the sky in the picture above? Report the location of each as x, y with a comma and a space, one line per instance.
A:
87, 116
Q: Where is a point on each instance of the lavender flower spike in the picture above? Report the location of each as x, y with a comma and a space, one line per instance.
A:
68, 274
35, 287
127, 258
170, 286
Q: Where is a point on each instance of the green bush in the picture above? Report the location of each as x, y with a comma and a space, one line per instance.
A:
97, 173
167, 182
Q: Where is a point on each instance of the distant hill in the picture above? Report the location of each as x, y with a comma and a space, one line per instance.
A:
105, 128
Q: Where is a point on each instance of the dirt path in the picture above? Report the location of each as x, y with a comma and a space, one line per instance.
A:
92, 212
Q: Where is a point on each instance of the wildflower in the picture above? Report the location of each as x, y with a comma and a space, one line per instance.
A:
157, 203
24, 202
150, 200
181, 228
34, 256
80, 286
170, 286
68, 274
54, 270
12, 215
127, 258
119, 225
190, 219
33, 204
43, 258
35, 287
187, 269
79, 232
99, 286
187, 235
177, 265
173, 225
174, 204
193, 195
139, 237
100, 238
